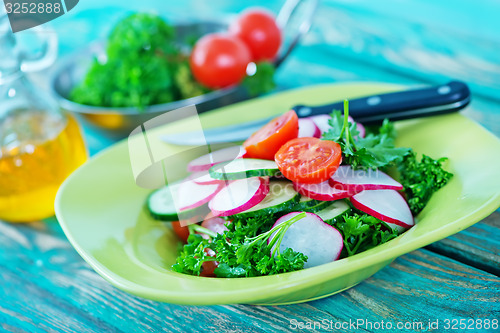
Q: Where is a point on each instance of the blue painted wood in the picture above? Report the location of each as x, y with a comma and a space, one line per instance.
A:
478, 246
46, 286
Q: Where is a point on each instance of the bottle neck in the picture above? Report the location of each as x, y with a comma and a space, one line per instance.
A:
10, 66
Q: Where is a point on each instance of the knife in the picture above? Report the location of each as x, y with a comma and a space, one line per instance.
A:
369, 110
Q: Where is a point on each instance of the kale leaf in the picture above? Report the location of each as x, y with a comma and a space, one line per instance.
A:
252, 259
250, 226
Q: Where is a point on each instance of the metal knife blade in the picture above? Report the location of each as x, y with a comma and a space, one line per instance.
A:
420, 102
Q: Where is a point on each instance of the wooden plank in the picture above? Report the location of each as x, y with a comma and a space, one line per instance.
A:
477, 246
47, 286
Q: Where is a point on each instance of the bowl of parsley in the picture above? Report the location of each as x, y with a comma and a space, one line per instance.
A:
143, 70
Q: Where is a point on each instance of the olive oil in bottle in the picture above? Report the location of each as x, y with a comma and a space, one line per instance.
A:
40, 145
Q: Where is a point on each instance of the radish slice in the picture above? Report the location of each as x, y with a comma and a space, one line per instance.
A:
215, 223
204, 178
386, 205
355, 181
205, 162
307, 128
321, 122
321, 191
361, 129
191, 195
305, 235
399, 229
359, 126
239, 195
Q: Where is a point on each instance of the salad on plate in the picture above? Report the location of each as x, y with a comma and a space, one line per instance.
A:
298, 193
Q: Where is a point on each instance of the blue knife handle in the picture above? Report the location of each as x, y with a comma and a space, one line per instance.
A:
406, 104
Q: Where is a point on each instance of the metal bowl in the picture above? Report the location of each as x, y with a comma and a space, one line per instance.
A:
118, 122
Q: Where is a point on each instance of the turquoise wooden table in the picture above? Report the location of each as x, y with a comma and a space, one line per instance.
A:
46, 286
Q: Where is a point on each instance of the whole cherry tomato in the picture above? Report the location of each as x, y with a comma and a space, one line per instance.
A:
258, 29
219, 60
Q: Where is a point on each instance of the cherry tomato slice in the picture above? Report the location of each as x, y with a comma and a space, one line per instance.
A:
268, 140
208, 267
309, 160
181, 231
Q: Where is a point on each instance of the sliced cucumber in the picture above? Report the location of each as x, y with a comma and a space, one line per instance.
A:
306, 202
244, 168
333, 211
281, 198
161, 206
309, 205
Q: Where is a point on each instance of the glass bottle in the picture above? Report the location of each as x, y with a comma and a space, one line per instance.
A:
40, 145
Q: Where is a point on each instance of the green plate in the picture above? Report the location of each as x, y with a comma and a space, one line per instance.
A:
100, 208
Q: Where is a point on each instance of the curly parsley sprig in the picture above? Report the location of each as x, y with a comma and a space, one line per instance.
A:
238, 254
420, 179
374, 151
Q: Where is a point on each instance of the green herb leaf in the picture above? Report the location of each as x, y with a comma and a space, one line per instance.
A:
373, 151
144, 66
241, 251
421, 179
224, 270
362, 232
262, 81
192, 256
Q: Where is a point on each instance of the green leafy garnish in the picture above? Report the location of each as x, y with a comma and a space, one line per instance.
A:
144, 66
362, 232
251, 226
242, 255
377, 151
262, 81
250, 256
421, 179
373, 151
193, 255
185, 84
